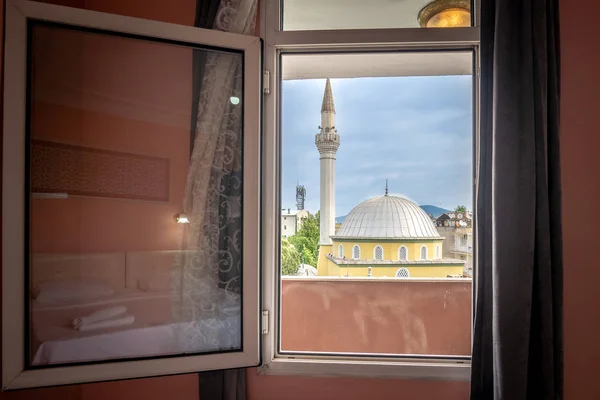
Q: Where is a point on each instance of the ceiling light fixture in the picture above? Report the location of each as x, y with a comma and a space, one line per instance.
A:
445, 14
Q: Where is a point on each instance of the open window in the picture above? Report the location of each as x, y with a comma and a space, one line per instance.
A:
375, 119
130, 242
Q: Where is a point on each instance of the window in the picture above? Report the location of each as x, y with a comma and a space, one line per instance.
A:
340, 251
348, 79
106, 162
463, 240
437, 252
356, 252
402, 253
402, 273
423, 252
378, 253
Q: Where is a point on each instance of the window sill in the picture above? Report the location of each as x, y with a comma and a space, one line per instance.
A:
429, 370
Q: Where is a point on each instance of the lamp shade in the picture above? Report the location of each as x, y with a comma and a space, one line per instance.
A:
445, 14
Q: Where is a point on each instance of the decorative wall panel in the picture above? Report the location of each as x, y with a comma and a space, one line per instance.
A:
86, 171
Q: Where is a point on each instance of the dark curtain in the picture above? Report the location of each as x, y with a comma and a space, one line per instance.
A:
220, 384
206, 13
517, 349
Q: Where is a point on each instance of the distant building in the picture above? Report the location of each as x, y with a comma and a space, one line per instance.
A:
457, 230
300, 196
291, 221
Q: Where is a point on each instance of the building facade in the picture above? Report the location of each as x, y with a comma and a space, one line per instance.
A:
291, 221
457, 230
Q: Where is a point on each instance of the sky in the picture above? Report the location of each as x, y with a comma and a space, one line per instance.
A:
414, 131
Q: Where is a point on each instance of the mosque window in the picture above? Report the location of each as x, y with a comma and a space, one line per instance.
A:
403, 253
402, 273
423, 252
356, 252
437, 252
340, 251
378, 253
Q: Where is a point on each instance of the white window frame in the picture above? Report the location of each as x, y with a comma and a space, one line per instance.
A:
438, 252
340, 251
400, 253
14, 373
277, 42
353, 252
375, 253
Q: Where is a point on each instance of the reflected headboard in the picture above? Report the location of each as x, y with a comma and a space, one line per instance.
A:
107, 267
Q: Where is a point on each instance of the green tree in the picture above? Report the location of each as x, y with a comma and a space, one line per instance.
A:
306, 240
461, 209
290, 258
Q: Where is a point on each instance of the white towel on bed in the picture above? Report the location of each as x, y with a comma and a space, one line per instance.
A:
98, 316
107, 323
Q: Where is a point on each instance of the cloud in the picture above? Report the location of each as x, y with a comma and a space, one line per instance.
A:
414, 131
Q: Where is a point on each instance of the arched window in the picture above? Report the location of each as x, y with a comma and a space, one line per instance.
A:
437, 252
340, 251
423, 252
378, 253
402, 253
402, 273
356, 252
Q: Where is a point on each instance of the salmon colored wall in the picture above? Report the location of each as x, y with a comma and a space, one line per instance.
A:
374, 316
581, 194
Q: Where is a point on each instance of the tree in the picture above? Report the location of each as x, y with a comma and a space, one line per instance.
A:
290, 258
306, 240
461, 209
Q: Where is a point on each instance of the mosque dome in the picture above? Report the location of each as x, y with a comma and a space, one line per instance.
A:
387, 217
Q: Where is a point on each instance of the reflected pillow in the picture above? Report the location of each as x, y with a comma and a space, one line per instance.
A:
70, 291
161, 282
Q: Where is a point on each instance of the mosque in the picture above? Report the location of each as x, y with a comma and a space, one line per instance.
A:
385, 236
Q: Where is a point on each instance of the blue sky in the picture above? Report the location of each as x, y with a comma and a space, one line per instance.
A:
414, 131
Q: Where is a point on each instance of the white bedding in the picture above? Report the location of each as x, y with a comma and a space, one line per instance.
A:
202, 336
153, 333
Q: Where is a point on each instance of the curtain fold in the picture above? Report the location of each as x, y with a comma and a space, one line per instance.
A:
517, 348
213, 196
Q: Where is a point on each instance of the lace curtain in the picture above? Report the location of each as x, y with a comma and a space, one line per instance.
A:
210, 282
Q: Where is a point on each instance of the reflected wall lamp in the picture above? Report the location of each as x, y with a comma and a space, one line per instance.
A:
182, 218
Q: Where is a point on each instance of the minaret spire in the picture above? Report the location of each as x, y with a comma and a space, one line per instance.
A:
386, 187
328, 105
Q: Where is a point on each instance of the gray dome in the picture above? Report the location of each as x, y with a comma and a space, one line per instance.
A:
387, 217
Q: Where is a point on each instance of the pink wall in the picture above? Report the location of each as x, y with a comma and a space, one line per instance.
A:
581, 193
376, 316
113, 94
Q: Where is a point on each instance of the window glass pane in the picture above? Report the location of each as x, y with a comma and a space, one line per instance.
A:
135, 223
374, 14
383, 152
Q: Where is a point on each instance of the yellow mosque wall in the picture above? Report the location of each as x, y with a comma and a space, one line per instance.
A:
390, 249
416, 271
323, 262
326, 267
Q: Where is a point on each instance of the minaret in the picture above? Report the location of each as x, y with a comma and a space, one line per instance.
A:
327, 141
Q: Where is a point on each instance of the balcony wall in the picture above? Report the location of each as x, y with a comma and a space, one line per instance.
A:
408, 316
